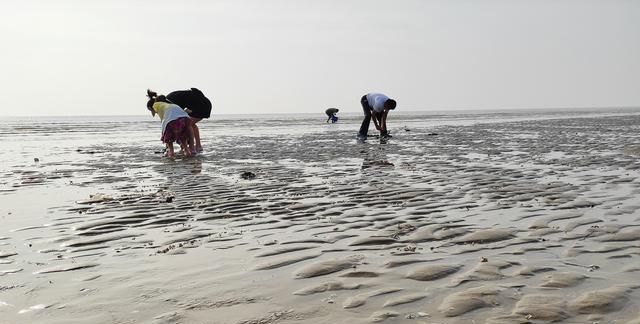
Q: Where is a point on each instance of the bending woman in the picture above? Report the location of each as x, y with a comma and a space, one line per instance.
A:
196, 104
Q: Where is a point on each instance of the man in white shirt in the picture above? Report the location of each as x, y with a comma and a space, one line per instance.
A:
376, 106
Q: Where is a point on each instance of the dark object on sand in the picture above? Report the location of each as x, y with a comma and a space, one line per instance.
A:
36, 160
169, 199
432, 134
247, 175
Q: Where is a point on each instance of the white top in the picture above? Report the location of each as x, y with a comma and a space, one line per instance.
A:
376, 101
168, 113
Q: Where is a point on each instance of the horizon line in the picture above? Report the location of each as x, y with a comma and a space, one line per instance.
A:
347, 112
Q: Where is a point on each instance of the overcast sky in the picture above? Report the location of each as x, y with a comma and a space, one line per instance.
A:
97, 57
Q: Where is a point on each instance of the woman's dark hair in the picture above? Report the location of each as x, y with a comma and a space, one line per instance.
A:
152, 98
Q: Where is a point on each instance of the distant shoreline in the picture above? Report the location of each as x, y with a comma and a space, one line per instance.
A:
357, 113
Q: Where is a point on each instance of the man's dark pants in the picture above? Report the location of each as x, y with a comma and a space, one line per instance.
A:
364, 128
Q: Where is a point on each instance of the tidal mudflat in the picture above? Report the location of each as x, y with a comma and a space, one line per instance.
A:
490, 218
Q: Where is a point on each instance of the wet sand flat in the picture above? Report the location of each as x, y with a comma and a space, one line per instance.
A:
495, 218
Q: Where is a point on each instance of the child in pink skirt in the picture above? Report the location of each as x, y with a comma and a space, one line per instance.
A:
176, 125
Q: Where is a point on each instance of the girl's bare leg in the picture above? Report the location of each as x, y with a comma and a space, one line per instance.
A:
196, 133
185, 150
193, 150
170, 152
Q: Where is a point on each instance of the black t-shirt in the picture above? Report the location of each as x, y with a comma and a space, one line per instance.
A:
194, 100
